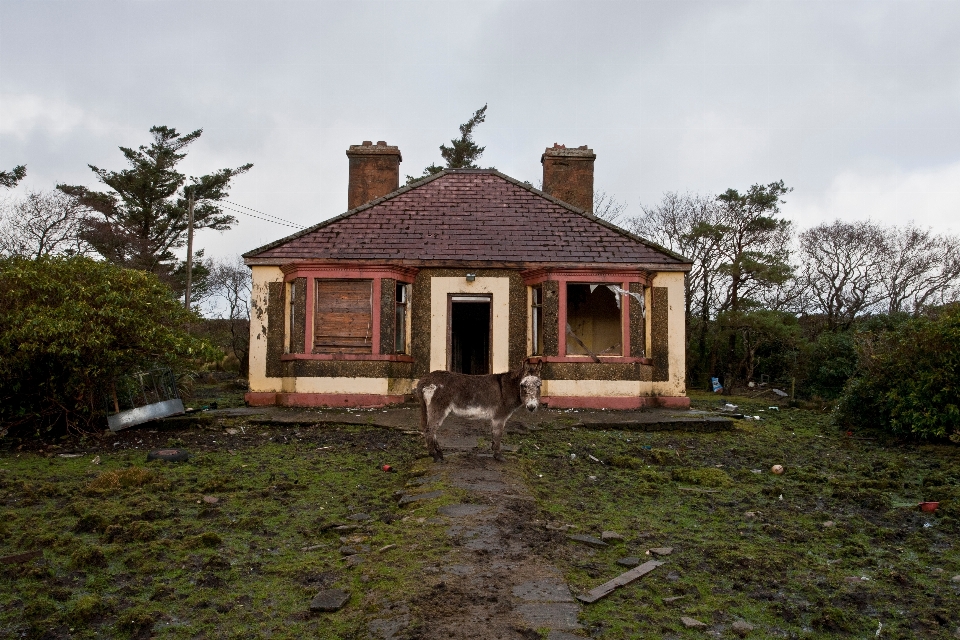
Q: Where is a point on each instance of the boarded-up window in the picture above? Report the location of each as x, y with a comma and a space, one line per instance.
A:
343, 319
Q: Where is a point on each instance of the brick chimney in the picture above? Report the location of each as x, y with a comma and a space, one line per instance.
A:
568, 175
374, 172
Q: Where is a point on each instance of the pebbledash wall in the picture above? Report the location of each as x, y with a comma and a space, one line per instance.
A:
650, 373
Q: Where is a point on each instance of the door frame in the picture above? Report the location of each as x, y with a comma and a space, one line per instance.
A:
471, 298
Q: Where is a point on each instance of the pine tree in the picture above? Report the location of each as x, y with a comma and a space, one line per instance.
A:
463, 152
10, 179
144, 215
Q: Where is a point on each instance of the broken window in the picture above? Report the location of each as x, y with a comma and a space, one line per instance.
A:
536, 320
593, 321
343, 316
403, 309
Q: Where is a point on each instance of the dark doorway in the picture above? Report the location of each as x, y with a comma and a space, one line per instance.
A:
469, 344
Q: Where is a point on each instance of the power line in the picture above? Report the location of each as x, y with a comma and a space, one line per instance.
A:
278, 219
274, 221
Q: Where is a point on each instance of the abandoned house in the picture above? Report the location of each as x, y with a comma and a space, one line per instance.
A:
469, 271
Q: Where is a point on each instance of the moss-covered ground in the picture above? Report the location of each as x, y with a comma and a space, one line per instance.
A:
834, 547
133, 549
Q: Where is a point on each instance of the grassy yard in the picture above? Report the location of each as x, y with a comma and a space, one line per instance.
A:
831, 548
834, 547
132, 549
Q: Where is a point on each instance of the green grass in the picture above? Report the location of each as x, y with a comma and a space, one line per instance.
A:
130, 549
758, 546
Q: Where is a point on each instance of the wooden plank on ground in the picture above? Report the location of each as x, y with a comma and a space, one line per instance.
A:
620, 581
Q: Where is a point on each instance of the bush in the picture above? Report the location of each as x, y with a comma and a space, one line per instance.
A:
909, 379
70, 328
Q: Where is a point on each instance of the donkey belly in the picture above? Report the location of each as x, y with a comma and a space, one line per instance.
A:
473, 411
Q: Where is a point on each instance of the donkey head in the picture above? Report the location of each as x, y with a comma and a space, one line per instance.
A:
530, 384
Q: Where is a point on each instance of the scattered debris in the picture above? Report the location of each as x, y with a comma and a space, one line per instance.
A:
211, 499
779, 393
751, 514
590, 540
774, 408
610, 535
929, 506
828, 524
386, 468
622, 580
169, 455
69, 455
661, 551
410, 499
741, 628
95, 460
329, 600
313, 547
777, 469
692, 623
756, 470
386, 548
629, 561
730, 407
673, 599
359, 516
697, 490
231, 431
593, 458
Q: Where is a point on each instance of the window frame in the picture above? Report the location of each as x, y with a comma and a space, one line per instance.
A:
314, 271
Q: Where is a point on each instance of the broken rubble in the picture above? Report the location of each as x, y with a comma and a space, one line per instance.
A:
629, 561
590, 540
661, 551
610, 535
741, 628
692, 623
622, 580
329, 600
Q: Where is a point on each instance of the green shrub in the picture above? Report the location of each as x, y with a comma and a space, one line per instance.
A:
707, 477
70, 327
909, 379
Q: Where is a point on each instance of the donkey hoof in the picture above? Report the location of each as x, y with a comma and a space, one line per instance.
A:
438, 457
498, 456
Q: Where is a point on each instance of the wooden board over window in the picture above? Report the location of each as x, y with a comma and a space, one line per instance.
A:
343, 320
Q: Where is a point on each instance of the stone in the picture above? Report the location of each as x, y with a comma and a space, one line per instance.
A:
673, 576
673, 599
410, 499
692, 623
211, 499
387, 629
355, 560
590, 540
955, 578
661, 551
552, 615
359, 516
354, 550
329, 600
629, 561
828, 524
461, 510
610, 535
543, 591
741, 628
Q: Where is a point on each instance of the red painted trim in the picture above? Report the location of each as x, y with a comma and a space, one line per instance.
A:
336, 399
622, 359
588, 274
375, 317
562, 320
625, 321
308, 328
260, 399
320, 269
390, 357
615, 402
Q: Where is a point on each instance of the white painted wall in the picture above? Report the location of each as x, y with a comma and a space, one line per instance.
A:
499, 288
676, 385
259, 297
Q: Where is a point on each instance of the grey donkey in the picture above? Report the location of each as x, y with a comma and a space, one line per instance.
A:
491, 397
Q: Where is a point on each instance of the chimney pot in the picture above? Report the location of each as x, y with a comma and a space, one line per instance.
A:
568, 175
374, 172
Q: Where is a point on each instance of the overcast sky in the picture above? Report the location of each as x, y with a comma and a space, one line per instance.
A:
854, 104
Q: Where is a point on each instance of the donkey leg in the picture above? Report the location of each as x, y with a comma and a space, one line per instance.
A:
498, 428
430, 435
429, 422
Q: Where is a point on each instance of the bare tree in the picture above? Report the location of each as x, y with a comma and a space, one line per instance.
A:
607, 207
43, 223
230, 282
920, 268
843, 265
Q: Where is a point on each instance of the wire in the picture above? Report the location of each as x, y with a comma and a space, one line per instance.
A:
278, 219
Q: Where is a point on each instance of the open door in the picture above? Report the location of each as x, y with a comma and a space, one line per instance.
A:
469, 334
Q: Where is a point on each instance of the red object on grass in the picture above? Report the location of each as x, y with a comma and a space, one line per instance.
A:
929, 506
387, 467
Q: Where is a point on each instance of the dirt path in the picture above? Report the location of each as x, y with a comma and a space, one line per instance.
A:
493, 583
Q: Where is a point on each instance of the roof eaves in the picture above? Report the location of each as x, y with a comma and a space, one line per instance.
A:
393, 194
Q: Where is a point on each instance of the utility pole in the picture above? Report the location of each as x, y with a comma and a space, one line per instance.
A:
186, 296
